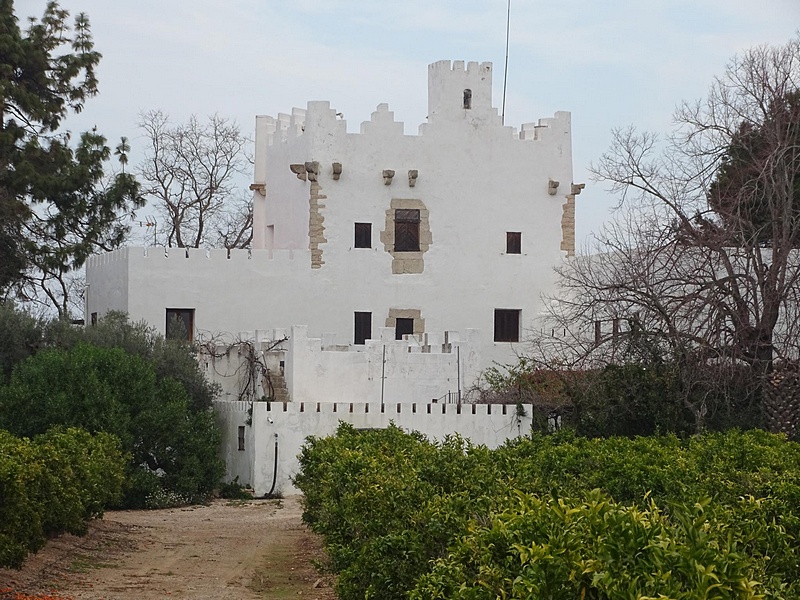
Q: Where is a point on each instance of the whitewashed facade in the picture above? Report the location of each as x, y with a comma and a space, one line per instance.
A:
269, 446
396, 266
495, 212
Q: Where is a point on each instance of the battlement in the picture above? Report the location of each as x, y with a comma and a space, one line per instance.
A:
180, 256
457, 66
174, 255
547, 128
456, 91
366, 408
282, 128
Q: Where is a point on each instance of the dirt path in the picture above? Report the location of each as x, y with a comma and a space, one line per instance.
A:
228, 550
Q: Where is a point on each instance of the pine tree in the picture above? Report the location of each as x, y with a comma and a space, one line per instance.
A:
57, 206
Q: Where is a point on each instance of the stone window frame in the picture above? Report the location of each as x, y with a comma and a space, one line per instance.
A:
407, 262
406, 313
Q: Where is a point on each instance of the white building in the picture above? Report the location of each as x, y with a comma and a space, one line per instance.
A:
411, 261
455, 228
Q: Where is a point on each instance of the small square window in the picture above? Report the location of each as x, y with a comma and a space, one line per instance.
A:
363, 235
506, 324
403, 326
180, 324
513, 242
362, 327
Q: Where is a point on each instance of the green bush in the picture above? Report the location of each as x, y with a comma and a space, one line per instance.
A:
171, 359
390, 503
20, 337
109, 390
52, 484
562, 549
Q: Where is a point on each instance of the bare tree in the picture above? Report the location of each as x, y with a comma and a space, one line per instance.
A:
703, 259
190, 172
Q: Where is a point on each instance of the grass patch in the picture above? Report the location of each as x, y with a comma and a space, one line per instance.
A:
83, 563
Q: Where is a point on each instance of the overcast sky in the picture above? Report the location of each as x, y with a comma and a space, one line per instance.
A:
610, 63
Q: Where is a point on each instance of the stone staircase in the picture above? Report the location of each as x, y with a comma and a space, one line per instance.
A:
280, 391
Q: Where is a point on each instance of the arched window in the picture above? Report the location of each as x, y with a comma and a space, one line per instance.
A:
468, 98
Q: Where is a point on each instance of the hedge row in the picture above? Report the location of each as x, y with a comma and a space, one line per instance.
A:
52, 484
557, 516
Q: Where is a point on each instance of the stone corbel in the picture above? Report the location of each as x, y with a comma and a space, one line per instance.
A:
387, 176
312, 168
577, 187
299, 170
412, 177
337, 171
552, 187
259, 187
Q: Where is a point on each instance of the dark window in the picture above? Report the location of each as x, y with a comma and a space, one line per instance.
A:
241, 437
363, 235
406, 230
513, 242
403, 327
468, 98
506, 325
94, 319
363, 327
180, 324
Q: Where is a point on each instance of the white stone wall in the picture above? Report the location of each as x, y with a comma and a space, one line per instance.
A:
476, 178
230, 415
315, 370
384, 371
293, 422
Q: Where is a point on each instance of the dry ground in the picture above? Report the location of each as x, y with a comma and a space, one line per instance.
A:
227, 550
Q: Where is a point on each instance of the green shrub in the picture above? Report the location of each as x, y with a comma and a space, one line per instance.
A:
562, 549
81, 475
389, 503
235, 490
20, 337
109, 390
20, 513
52, 484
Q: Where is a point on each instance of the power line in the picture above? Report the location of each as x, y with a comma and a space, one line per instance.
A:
505, 70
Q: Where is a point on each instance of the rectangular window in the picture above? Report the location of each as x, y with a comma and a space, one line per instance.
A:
363, 235
180, 324
403, 326
241, 437
513, 242
363, 327
406, 230
94, 319
506, 324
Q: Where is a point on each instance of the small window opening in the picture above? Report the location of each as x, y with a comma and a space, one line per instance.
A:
241, 437
506, 325
363, 235
362, 327
180, 324
468, 98
406, 230
94, 319
403, 326
513, 242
